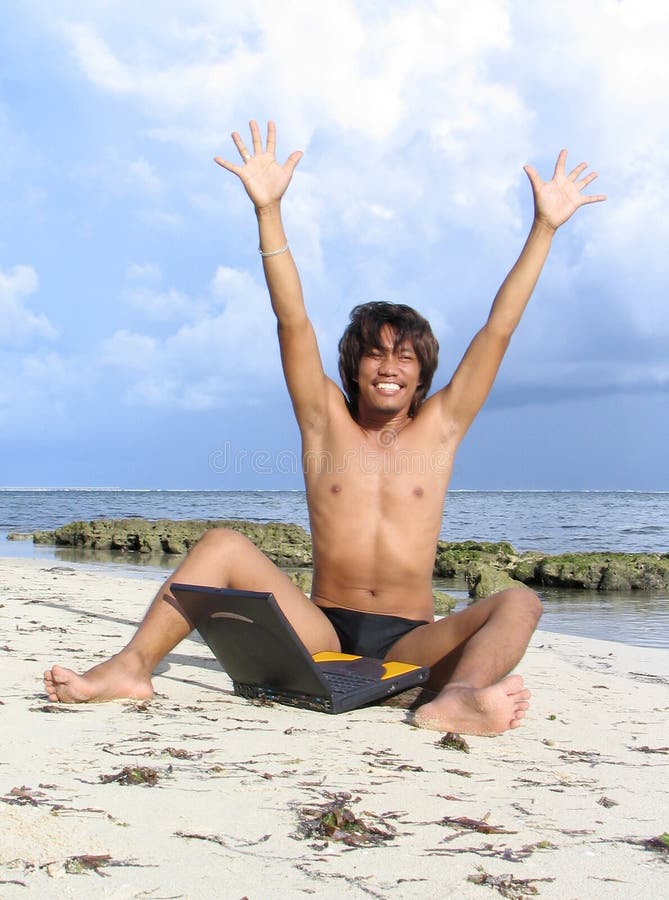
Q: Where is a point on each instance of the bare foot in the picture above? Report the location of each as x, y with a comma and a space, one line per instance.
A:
469, 710
116, 679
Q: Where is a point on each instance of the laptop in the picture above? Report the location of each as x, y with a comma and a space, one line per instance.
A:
259, 649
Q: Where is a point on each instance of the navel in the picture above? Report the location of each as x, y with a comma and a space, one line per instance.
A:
418, 491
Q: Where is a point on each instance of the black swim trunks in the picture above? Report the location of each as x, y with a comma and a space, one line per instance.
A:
368, 634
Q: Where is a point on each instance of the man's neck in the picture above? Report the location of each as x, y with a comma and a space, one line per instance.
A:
373, 421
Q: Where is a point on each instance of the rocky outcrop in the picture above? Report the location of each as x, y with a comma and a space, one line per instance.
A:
484, 579
477, 563
302, 578
598, 571
485, 566
443, 602
286, 545
456, 559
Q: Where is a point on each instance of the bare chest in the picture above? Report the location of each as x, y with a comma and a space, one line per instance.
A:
370, 480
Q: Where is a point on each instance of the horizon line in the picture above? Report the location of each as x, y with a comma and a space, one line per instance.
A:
146, 490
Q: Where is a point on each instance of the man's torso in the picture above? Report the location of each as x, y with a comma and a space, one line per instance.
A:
375, 504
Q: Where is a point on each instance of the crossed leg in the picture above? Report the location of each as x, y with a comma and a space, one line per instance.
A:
469, 654
221, 558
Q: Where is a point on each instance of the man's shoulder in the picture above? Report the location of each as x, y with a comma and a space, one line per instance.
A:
433, 420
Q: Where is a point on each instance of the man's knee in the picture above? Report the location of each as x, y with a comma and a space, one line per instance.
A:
224, 540
524, 604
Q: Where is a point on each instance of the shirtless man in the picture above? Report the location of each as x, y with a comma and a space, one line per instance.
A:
377, 466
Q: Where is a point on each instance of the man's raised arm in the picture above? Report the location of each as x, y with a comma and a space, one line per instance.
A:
266, 181
554, 202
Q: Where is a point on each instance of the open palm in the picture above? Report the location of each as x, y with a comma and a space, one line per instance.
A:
556, 200
264, 179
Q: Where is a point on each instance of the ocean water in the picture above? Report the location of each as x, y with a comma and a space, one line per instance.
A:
551, 521
548, 521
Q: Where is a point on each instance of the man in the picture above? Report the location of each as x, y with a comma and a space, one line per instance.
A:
377, 467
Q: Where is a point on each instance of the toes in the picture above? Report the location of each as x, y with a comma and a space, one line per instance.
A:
54, 680
521, 694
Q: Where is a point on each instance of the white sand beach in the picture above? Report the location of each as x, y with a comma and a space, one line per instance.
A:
567, 806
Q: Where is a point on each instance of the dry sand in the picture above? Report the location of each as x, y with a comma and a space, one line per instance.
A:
563, 807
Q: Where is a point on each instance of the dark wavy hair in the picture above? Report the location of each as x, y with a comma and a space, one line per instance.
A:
363, 333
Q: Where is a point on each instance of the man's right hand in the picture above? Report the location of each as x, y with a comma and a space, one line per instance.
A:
264, 179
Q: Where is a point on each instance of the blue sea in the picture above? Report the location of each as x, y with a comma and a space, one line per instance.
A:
548, 521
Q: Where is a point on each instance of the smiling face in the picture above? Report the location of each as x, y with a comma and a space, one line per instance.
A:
372, 333
388, 376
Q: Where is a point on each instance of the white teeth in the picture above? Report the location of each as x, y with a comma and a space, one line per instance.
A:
388, 386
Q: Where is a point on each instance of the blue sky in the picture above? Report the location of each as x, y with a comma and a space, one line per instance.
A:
137, 346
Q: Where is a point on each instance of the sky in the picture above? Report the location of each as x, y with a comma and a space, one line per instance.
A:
137, 345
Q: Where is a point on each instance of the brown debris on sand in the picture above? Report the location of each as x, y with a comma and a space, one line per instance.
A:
334, 820
132, 775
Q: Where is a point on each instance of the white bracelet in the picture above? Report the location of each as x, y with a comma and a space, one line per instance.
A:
267, 253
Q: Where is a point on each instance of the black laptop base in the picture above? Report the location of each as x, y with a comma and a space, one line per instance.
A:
260, 650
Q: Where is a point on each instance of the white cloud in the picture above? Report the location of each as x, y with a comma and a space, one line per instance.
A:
392, 80
140, 172
11, 149
152, 303
469, 82
161, 305
415, 119
96, 58
116, 175
228, 282
226, 350
132, 352
618, 78
161, 219
143, 272
35, 392
17, 322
